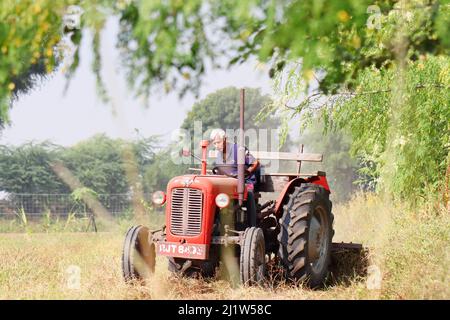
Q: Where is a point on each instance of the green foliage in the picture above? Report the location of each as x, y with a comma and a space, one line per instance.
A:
171, 43
163, 43
340, 167
22, 217
395, 107
100, 163
162, 169
398, 118
29, 32
31, 46
411, 148
26, 169
220, 109
80, 193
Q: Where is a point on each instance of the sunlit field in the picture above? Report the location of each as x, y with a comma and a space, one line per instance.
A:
115, 112
407, 261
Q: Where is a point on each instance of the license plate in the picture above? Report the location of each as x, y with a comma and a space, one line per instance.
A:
173, 249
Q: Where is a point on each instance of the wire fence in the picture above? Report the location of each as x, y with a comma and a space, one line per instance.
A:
37, 205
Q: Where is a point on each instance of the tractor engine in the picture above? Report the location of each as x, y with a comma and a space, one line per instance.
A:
193, 207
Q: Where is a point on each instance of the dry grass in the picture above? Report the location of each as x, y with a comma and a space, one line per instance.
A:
34, 266
411, 250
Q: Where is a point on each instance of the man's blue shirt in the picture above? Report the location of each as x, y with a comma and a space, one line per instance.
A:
231, 158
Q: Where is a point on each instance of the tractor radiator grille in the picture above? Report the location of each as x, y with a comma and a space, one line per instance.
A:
186, 212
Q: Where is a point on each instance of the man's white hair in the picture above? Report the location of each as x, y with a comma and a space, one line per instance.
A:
217, 133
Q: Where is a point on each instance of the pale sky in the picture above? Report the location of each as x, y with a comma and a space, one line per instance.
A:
47, 114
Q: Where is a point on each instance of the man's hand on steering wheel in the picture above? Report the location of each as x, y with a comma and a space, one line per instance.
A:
216, 169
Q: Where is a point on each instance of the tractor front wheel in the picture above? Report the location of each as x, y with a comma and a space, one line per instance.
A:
253, 257
138, 255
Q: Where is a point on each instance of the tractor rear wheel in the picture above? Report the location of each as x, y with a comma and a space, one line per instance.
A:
138, 255
305, 234
253, 257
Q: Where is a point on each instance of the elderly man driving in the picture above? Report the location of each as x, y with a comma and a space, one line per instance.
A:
227, 155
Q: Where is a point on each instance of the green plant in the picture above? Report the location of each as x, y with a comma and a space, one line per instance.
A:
23, 220
70, 217
47, 220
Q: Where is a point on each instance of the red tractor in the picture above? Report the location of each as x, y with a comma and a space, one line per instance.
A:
207, 213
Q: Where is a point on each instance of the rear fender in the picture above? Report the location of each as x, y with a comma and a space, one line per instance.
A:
289, 187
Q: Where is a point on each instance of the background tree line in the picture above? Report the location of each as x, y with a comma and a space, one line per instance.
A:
100, 162
97, 162
378, 70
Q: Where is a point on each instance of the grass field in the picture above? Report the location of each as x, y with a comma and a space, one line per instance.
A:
410, 250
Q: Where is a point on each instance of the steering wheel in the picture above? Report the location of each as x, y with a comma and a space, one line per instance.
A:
218, 170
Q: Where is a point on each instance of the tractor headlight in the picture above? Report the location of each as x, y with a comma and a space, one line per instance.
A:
159, 198
222, 200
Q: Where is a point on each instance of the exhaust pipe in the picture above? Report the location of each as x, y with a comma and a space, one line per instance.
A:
241, 152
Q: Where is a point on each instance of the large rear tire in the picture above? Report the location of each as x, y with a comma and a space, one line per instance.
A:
253, 257
138, 255
305, 234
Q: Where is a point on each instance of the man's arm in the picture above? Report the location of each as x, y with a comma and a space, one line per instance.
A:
253, 167
253, 163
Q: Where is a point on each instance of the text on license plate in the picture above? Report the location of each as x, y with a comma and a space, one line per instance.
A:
196, 251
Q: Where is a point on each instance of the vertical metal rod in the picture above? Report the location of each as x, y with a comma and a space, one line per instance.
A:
299, 163
204, 145
241, 151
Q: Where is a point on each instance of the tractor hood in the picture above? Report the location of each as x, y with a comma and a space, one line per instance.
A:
191, 207
211, 185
